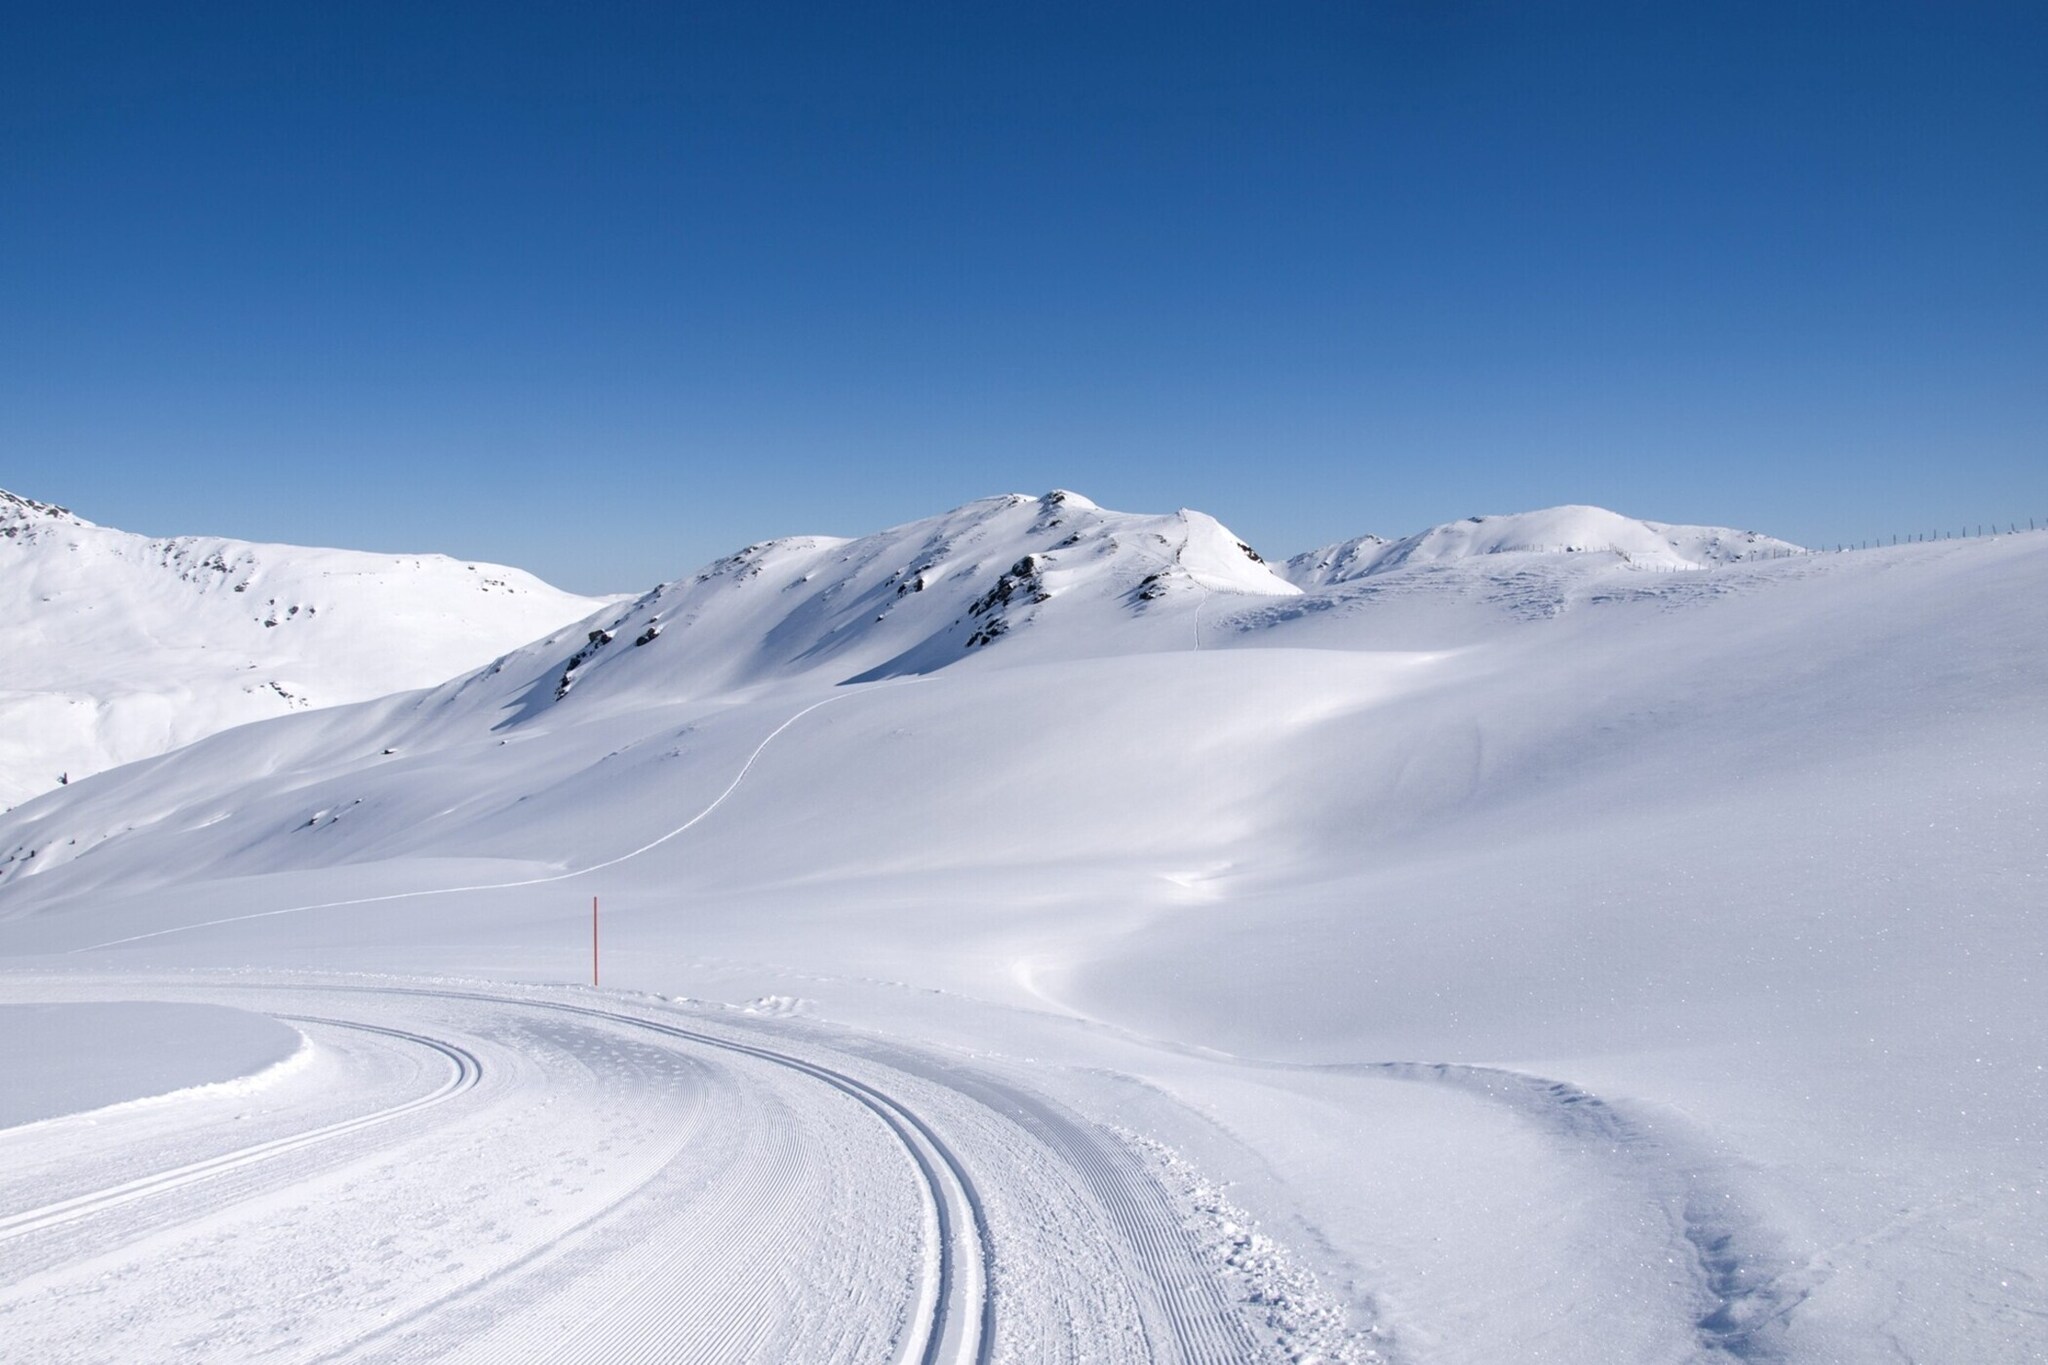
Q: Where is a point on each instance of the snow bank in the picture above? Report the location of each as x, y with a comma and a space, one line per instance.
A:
70, 1058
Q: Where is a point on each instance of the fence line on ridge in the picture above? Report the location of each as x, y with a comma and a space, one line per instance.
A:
1981, 530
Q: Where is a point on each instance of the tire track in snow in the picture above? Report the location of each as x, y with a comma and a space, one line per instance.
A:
647, 847
467, 1071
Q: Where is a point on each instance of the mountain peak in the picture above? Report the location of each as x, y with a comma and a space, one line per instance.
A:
18, 513
1053, 576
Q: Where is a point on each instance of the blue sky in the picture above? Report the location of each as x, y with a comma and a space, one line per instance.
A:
607, 290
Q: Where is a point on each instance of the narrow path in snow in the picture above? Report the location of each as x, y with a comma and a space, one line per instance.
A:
647, 847
1187, 534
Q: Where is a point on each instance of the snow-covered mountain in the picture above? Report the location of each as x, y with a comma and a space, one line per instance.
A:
1567, 930
1338, 563
115, 647
1009, 584
1569, 530
1048, 577
1002, 582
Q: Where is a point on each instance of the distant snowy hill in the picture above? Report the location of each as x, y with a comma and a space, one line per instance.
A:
115, 647
1347, 559
1552, 531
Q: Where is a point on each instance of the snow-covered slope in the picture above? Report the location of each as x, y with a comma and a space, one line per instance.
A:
1338, 563
1001, 582
115, 647
1011, 578
1567, 530
1572, 957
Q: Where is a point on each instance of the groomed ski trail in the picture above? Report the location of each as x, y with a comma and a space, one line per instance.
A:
605, 1179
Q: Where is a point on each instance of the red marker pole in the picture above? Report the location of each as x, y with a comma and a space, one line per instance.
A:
593, 940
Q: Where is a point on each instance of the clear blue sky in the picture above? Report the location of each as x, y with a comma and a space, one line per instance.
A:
606, 290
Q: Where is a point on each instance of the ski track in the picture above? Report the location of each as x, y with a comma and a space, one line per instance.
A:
1185, 1311
963, 1311
703, 1190
466, 1071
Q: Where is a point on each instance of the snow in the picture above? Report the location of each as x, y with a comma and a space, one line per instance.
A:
58, 1059
1552, 531
115, 647
1338, 563
1550, 954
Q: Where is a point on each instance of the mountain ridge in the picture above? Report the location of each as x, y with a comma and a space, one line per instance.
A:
1002, 585
1007, 579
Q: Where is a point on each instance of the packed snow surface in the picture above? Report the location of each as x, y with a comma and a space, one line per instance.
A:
1041, 932
115, 647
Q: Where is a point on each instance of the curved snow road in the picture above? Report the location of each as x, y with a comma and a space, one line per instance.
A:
956, 1317
530, 1175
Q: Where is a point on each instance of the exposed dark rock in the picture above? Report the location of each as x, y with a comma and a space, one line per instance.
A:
989, 632
597, 641
1022, 581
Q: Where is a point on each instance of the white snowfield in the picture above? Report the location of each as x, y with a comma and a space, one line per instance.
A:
115, 647
1045, 933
